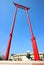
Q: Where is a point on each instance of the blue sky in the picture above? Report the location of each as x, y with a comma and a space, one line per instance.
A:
21, 41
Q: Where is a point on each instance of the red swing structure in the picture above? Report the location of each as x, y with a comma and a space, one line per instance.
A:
33, 40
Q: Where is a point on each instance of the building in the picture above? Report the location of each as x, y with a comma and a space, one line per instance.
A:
25, 57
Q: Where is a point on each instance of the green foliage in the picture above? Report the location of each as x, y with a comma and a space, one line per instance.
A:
43, 56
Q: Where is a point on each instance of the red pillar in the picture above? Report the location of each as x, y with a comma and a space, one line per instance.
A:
34, 45
10, 37
35, 49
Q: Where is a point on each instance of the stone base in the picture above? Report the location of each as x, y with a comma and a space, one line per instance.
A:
21, 62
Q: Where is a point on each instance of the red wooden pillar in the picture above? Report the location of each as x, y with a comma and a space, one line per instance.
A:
34, 45
10, 37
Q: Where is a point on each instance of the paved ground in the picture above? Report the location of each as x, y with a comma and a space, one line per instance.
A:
21, 63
